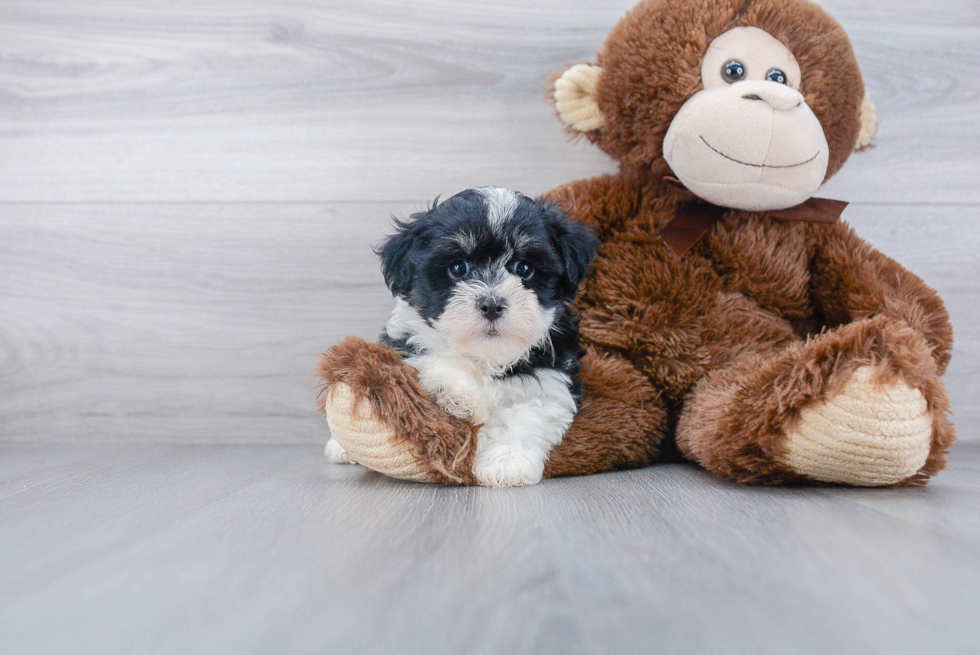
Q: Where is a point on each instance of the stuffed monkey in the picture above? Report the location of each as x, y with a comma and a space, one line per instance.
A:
730, 319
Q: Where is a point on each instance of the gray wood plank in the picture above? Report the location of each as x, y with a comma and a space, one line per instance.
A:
201, 323
178, 322
243, 549
258, 100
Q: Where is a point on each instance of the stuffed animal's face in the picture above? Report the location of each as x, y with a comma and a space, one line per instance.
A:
752, 104
748, 139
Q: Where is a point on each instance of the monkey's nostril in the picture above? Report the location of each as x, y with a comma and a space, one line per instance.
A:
778, 101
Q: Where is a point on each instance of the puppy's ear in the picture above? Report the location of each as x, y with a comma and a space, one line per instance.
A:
396, 263
577, 244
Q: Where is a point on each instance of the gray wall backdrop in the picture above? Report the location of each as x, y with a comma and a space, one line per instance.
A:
189, 190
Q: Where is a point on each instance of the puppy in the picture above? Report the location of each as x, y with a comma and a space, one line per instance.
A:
483, 284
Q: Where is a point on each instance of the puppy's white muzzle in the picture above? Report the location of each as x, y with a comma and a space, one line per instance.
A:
497, 322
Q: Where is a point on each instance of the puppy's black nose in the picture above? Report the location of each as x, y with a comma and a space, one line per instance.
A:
491, 308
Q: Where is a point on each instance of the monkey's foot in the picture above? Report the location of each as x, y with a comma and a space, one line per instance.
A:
868, 434
367, 440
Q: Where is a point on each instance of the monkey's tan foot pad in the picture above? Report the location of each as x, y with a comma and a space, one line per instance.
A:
368, 441
867, 435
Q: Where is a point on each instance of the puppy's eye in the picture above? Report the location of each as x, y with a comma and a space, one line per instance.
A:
522, 269
733, 71
776, 75
458, 269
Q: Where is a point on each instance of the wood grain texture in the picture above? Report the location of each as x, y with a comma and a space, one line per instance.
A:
243, 549
179, 322
251, 100
201, 323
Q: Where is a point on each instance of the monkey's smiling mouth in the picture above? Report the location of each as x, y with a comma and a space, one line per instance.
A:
745, 163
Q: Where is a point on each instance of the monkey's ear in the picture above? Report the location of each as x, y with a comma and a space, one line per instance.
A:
575, 100
869, 123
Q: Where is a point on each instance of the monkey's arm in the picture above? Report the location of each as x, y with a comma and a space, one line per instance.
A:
851, 280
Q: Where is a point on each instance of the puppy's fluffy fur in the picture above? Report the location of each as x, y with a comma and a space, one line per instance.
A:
483, 285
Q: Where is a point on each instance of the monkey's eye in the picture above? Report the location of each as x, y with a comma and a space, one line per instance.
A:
458, 269
522, 269
733, 71
776, 75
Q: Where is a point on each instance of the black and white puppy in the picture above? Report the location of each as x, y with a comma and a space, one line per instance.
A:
483, 284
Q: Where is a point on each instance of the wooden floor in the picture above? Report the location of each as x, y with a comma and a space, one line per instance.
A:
189, 192
267, 549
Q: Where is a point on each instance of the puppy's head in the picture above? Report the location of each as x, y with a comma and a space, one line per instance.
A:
489, 269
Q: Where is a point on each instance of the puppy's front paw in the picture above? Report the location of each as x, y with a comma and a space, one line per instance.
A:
336, 453
453, 407
507, 467
460, 403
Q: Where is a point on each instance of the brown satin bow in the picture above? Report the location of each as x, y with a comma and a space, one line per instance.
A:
693, 220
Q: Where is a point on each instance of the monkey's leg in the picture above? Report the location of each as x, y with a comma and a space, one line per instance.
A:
860, 405
379, 413
384, 420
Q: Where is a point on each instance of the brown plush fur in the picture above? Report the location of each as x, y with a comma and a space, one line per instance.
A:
720, 348
620, 423
735, 420
443, 445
